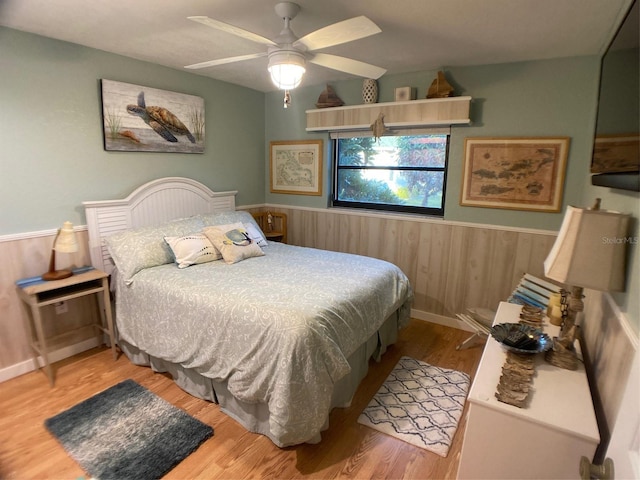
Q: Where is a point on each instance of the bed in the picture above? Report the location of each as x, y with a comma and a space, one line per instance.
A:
277, 337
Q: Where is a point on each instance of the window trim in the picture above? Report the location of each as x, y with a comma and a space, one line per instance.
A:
337, 135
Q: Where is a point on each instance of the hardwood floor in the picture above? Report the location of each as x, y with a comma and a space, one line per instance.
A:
347, 450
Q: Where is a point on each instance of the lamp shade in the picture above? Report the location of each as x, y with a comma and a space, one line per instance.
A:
66, 241
590, 250
286, 68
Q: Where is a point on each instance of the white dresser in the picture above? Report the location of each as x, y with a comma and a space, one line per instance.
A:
546, 439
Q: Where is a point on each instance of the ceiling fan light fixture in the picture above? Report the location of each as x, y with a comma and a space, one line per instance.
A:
286, 68
289, 54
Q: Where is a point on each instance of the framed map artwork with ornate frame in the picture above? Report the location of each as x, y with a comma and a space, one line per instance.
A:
296, 167
514, 173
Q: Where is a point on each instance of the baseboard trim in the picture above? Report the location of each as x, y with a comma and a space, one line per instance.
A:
27, 366
440, 320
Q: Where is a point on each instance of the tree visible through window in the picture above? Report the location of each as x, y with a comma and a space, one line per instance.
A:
401, 173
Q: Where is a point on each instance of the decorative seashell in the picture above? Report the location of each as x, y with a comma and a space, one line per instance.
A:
129, 134
238, 237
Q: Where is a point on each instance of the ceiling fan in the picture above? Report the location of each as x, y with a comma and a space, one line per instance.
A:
288, 54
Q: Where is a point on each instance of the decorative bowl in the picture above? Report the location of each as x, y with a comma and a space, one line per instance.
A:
533, 340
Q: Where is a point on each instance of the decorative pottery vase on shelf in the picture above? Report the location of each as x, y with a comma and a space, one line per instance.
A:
369, 90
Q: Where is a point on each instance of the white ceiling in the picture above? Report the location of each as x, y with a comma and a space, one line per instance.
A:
416, 34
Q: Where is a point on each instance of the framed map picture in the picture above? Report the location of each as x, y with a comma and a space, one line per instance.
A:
296, 167
514, 173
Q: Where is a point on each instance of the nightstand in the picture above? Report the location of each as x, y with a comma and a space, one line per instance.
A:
276, 230
39, 294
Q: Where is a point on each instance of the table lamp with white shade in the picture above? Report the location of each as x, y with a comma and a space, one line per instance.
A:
588, 253
64, 242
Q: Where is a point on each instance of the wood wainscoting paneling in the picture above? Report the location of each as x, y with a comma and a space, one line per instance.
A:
611, 345
25, 256
451, 266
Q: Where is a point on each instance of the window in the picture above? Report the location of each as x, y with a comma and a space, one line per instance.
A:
403, 173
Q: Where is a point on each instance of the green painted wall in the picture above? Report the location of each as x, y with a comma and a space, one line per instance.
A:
51, 133
546, 98
543, 98
53, 158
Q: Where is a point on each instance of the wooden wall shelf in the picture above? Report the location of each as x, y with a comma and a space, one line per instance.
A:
413, 113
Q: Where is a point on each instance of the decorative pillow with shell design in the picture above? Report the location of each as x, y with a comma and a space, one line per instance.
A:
235, 216
233, 242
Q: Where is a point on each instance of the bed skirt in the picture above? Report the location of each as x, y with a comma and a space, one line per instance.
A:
255, 416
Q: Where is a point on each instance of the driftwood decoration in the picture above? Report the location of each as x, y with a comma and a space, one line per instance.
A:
378, 128
328, 98
440, 88
516, 380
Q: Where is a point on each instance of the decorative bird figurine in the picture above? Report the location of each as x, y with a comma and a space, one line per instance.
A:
378, 127
163, 122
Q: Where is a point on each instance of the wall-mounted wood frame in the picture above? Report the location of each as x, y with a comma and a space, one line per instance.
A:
515, 173
295, 167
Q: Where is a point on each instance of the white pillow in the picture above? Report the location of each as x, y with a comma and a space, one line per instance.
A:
233, 242
256, 234
192, 249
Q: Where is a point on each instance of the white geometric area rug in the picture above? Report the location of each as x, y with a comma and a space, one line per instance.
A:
419, 404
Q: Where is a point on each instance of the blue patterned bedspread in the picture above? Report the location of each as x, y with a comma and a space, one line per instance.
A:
278, 328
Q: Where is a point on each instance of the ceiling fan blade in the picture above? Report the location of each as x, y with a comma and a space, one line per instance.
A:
222, 61
347, 65
225, 27
337, 33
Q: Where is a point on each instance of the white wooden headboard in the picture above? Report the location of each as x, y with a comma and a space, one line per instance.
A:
151, 204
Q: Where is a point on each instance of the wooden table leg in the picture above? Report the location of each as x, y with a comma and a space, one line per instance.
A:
106, 299
42, 344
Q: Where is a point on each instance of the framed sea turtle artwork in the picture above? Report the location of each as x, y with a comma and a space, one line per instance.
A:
514, 173
145, 119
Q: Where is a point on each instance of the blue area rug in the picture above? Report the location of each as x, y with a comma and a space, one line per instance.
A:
127, 432
419, 404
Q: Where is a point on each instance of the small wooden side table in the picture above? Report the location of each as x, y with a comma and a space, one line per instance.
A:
273, 224
38, 295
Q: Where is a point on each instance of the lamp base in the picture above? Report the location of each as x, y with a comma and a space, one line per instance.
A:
57, 275
562, 356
